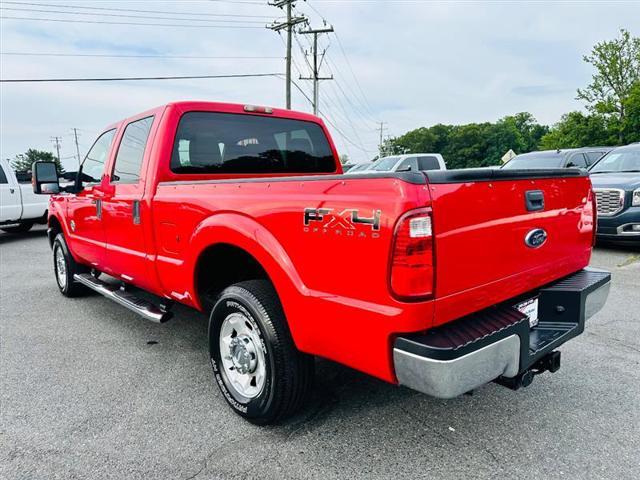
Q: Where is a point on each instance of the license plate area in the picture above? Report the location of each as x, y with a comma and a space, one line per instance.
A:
529, 308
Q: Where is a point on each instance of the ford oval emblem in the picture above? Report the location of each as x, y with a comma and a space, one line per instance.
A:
535, 238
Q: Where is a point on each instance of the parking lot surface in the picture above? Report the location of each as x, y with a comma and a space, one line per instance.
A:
90, 390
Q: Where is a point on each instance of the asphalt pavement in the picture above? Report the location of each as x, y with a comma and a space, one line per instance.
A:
90, 390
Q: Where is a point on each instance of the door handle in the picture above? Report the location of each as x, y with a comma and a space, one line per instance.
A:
534, 200
136, 212
11, 190
98, 203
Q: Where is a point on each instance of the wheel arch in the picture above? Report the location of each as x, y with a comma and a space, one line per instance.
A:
245, 240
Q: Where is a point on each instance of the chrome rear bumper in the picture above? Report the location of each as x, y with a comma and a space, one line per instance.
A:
498, 343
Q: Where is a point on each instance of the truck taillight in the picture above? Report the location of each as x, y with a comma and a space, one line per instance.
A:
412, 262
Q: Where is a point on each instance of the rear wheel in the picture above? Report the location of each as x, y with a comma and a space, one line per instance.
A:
65, 267
261, 374
21, 228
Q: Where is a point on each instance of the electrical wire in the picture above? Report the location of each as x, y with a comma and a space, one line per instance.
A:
199, 57
4, 17
124, 15
114, 9
118, 79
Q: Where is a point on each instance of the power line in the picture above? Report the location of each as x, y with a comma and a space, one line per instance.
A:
118, 79
122, 15
288, 26
316, 66
199, 57
114, 9
4, 17
355, 77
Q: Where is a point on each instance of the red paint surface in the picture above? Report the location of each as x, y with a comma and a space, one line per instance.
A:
334, 287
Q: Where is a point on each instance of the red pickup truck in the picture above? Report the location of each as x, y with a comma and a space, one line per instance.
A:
440, 281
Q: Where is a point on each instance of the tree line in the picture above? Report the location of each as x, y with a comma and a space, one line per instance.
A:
612, 101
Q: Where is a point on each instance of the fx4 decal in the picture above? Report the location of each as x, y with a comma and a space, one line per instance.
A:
327, 220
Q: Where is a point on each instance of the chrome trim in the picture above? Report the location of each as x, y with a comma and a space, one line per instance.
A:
143, 308
450, 378
621, 194
596, 300
620, 230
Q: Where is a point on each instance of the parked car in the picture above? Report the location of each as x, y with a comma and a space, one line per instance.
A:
567, 158
616, 182
441, 280
415, 162
20, 208
359, 167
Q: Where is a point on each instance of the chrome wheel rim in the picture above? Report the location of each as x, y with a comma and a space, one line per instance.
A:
61, 267
242, 355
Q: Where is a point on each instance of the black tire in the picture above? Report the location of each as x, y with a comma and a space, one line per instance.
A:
21, 228
289, 372
64, 279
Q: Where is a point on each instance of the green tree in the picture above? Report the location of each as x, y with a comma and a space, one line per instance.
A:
474, 144
575, 129
617, 70
23, 161
631, 124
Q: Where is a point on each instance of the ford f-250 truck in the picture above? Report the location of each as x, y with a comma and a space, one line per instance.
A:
440, 281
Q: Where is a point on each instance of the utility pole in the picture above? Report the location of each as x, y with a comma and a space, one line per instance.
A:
288, 25
316, 65
75, 133
382, 129
56, 141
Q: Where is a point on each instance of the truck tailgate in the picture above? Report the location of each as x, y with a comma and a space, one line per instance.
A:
481, 227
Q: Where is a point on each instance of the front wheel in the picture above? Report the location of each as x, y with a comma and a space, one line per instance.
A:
65, 267
256, 365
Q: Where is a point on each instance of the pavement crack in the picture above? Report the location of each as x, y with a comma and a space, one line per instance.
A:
612, 339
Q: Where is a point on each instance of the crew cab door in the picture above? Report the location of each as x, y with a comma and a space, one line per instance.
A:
124, 214
10, 203
86, 231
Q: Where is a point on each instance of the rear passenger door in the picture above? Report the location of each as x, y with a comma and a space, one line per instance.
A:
123, 210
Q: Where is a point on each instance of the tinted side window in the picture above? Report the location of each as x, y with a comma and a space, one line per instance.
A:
3, 177
578, 160
131, 152
408, 164
93, 165
428, 163
593, 157
208, 142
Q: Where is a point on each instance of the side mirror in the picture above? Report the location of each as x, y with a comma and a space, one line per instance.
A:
45, 178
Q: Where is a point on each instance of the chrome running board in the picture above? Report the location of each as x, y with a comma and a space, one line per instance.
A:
142, 307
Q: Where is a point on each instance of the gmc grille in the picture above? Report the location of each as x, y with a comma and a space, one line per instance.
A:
609, 201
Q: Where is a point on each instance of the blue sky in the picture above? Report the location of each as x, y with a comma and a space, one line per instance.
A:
417, 63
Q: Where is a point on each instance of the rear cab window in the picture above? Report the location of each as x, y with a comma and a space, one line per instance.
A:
229, 143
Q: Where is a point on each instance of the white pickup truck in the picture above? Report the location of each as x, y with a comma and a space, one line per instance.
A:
20, 208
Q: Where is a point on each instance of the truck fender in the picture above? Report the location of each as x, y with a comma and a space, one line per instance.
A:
245, 233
